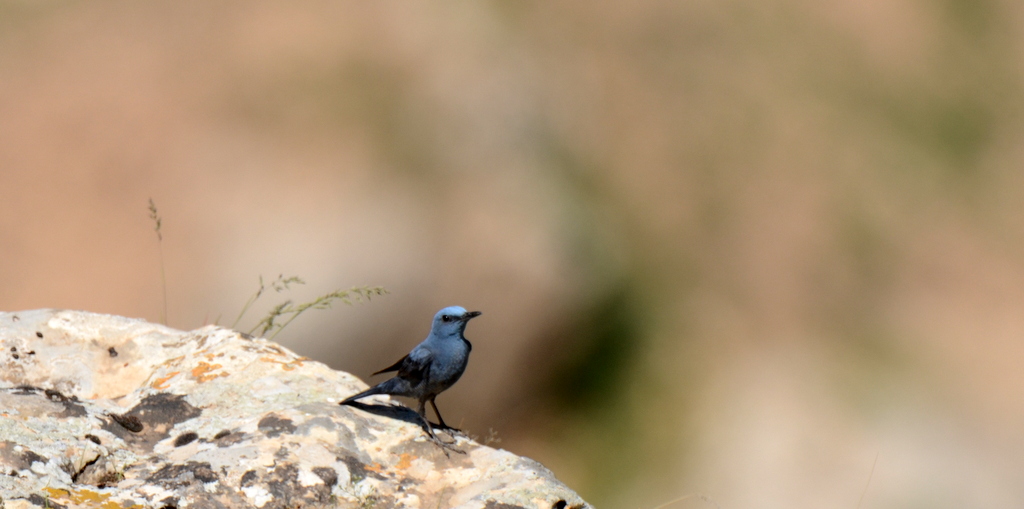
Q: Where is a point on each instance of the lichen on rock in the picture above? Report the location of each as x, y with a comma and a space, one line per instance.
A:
105, 411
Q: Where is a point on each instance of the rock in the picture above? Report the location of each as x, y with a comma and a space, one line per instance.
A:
105, 411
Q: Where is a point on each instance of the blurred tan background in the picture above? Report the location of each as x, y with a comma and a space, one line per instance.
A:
740, 249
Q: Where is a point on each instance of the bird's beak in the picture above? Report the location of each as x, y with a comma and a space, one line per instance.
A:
472, 314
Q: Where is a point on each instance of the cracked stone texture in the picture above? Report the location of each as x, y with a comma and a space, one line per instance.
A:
105, 411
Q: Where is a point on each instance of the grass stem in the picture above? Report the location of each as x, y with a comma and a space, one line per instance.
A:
158, 221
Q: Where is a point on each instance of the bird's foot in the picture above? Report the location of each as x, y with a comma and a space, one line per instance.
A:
453, 432
444, 446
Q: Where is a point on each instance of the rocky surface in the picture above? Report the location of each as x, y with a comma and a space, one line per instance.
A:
106, 411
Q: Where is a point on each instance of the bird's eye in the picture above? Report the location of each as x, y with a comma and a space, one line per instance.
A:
446, 318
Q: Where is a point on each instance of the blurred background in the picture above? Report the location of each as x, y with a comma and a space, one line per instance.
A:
770, 252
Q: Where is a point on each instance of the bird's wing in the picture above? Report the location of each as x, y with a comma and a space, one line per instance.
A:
393, 367
414, 367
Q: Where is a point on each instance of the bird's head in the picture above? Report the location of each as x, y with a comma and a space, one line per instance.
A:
452, 320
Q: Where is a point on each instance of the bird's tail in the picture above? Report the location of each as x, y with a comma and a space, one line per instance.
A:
368, 392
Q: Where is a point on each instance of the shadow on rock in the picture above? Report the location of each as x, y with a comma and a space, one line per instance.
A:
393, 411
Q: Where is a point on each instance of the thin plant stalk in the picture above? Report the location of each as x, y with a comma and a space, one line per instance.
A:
324, 302
268, 321
157, 220
280, 284
248, 303
289, 311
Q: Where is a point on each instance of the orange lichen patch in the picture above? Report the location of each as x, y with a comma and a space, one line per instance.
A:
161, 383
57, 493
287, 366
404, 461
202, 372
85, 498
376, 467
295, 363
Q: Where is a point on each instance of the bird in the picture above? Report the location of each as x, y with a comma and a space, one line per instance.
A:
432, 367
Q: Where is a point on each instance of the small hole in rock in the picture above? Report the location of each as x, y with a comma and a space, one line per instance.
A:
55, 395
128, 422
185, 438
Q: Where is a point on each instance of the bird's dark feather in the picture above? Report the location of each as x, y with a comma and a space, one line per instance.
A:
393, 367
415, 368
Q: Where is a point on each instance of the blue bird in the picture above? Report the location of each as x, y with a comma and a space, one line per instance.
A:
432, 367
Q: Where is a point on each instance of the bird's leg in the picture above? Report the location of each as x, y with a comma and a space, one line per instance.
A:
429, 428
440, 420
438, 414
421, 411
